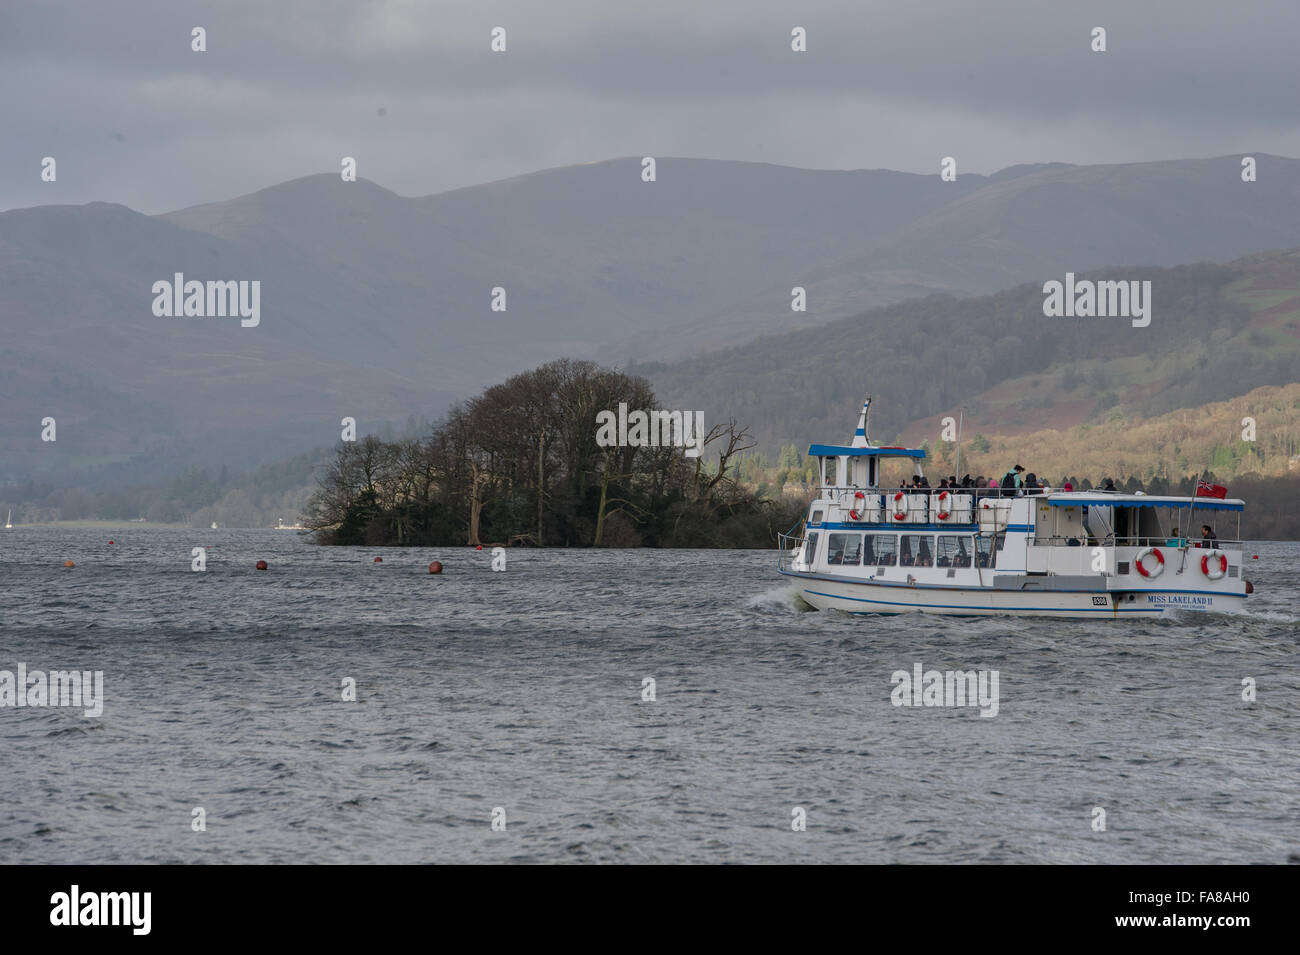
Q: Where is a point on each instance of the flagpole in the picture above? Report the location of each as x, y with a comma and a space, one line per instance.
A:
957, 466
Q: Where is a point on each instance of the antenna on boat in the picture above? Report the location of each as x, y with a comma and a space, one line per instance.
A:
961, 414
860, 439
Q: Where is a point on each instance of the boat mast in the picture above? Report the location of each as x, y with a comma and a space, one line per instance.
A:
961, 412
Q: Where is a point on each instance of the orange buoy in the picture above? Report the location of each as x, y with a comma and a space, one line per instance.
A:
435, 568
68, 563
379, 560
261, 565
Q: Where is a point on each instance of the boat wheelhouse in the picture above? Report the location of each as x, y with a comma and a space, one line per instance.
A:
867, 548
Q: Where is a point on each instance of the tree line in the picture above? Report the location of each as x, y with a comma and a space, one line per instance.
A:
520, 465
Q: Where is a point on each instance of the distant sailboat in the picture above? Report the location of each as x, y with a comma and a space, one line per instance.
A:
9, 521
214, 525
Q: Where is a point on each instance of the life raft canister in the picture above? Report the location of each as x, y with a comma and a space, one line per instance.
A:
900, 502
942, 515
1143, 555
859, 501
1222, 560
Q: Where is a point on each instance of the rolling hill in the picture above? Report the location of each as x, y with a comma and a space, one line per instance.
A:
377, 306
1218, 332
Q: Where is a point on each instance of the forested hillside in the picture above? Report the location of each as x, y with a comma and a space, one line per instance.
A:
1217, 333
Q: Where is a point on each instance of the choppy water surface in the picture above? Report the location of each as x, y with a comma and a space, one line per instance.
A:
522, 690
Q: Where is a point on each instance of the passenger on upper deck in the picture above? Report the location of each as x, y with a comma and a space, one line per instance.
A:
1208, 537
1109, 485
1012, 481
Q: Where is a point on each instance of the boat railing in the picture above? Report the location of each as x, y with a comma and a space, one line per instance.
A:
789, 545
845, 495
1164, 543
920, 505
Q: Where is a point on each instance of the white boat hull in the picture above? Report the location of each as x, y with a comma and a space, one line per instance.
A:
869, 597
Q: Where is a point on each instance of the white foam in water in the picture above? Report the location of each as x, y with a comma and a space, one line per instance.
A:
778, 598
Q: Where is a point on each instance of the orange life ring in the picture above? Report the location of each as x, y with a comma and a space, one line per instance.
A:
1223, 564
1142, 555
900, 515
942, 515
853, 512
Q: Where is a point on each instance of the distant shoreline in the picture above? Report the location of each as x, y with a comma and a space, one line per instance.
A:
149, 525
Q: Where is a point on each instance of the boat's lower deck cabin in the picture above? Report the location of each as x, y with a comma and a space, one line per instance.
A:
894, 549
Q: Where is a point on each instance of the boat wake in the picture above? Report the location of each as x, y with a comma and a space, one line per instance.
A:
779, 599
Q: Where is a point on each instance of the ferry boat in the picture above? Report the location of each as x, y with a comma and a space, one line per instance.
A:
867, 548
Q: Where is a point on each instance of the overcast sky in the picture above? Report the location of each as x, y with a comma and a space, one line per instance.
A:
113, 91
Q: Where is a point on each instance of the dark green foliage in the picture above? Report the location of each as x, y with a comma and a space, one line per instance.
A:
520, 464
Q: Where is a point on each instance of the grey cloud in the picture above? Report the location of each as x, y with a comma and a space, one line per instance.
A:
286, 89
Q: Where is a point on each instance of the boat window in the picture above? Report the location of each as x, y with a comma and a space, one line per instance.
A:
844, 549
816, 517
984, 547
953, 550
880, 550
810, 549
916, 550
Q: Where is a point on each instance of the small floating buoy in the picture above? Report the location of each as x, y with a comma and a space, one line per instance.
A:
379, 560
1254, 557
261, 565
479, 547
68, 563
1250, 588
110, 540
435, 568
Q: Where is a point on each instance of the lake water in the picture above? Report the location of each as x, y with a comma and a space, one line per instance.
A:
522, 690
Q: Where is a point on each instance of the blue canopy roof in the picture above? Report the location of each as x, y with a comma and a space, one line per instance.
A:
835, 451
1075, 499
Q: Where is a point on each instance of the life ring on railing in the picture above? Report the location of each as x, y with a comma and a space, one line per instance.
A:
1223, 564
942, 515
859, 500
1143, 555
900, 500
